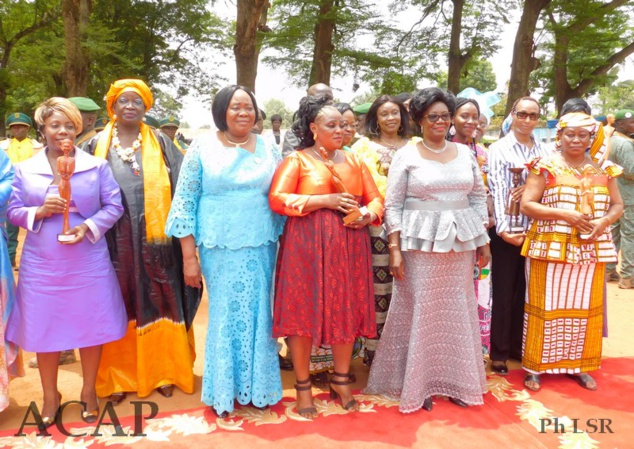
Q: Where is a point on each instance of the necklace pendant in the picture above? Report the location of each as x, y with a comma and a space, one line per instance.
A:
135, 168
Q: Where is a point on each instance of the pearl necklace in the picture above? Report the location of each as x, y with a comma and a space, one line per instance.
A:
237, 144
127, 154
433, 150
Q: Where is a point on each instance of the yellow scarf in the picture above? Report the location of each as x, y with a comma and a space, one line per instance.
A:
156, 182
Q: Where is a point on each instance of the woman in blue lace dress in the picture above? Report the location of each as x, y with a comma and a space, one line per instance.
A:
221, 206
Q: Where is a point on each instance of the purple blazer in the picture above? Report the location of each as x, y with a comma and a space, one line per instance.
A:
94, 190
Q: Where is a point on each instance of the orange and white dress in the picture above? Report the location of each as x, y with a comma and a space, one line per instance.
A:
563, 316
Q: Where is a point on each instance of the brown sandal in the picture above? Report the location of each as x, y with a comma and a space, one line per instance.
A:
334, 395
306, 412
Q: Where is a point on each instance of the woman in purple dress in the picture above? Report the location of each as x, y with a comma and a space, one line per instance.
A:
68, 295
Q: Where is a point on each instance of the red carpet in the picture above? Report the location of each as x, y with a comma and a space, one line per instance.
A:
511, 417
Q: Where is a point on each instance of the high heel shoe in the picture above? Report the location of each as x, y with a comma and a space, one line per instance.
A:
90, 417
48, 421
352, 403
428, 404
458, 402
306, 412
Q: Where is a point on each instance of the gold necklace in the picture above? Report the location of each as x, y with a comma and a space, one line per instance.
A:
390, 146
236, 144
321, 157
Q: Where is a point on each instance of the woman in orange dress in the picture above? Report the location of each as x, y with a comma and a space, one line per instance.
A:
324, 291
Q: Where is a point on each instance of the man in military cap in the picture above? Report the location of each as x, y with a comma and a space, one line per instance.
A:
19, 148
101, 123
622, 153
169, 127
89, 110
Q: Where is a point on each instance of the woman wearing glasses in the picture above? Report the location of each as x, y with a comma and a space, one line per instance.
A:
387, 131
436, 218
515, 150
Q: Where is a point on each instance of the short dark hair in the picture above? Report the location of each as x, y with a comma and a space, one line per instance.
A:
576, 105
526, 99
309, 108
343, 107
276, 117
372, 121
221, 104
424, 98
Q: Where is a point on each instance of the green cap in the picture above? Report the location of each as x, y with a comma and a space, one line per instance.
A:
623, 114
362, 108
84, 104
170, 121
101, 123
151, 121
18, 118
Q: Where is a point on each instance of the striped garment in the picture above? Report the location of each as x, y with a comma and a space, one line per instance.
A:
504, 154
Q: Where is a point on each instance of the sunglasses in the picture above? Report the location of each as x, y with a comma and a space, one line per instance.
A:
433, 118
522, 115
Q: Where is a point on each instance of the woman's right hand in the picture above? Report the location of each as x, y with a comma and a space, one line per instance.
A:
52, 205
192, 273
397, 265
343, 202
580, 221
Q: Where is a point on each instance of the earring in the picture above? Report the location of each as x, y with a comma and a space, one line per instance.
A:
377, 131
452, 131
314, 136
400, 128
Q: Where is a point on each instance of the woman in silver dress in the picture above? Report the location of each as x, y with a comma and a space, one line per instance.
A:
436, 219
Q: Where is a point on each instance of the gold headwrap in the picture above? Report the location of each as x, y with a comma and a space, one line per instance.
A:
156, 182
128, 85
599, 147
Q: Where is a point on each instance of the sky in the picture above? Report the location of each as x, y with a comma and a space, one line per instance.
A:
273, 83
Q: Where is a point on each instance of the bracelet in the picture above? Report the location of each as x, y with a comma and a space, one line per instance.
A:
392, 245
609, 222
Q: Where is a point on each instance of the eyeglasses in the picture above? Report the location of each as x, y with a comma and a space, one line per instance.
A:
433, 118
522, 115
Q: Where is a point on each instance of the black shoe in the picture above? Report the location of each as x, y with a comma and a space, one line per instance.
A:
499, 368
285, 364
458, 402
428, 404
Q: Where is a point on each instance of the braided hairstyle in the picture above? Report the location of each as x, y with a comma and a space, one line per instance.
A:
309, 108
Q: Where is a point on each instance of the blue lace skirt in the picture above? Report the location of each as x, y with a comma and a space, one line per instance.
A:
240, 354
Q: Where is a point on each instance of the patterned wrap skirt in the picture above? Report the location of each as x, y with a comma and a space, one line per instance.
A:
563, 317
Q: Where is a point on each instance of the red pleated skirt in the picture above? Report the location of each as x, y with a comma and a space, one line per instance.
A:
323, 286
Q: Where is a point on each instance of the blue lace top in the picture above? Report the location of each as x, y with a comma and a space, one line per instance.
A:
222, 195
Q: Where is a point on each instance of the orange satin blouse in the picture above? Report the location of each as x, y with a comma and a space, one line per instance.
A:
301, 176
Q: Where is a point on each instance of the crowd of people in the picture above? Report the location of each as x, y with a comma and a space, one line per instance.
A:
396, 237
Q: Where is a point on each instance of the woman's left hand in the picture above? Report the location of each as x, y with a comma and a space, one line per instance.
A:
363, 221
79, 232
599, 226
483, 254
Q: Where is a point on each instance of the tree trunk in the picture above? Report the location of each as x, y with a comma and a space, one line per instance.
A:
455, 62
322, 55
76, 14
246, 49
563, 90
524, 61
